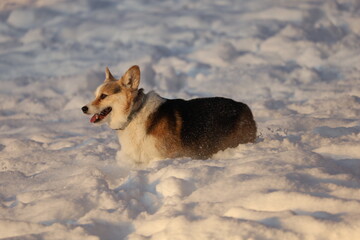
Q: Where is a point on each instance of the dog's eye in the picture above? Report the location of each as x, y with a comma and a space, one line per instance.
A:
102, 96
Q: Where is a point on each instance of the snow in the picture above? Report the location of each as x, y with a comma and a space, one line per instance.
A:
295, 63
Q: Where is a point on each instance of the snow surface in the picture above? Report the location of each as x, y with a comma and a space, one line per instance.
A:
295, 63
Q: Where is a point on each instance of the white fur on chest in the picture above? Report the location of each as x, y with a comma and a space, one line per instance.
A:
135, 142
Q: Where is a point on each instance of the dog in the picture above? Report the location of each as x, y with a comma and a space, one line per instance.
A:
151, 127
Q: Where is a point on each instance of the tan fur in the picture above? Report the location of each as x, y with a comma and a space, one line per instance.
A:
130, 82
131, 78
111, 88
108, 88
129, 98
96, 102
167, 138
108, 75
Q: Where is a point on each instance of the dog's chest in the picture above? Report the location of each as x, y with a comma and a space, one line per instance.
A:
134, 140
139, 146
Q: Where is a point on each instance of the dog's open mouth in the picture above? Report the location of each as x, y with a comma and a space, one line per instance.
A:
100, 116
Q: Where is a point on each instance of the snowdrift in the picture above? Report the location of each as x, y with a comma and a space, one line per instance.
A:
295, 63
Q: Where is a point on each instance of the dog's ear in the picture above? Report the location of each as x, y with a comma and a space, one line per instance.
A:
108, 76
131, 79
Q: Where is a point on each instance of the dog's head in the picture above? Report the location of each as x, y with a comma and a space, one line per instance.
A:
114, 99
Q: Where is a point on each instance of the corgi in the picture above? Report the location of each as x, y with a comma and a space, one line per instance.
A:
150, 127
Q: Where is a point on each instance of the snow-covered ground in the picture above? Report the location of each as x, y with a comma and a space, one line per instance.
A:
295, 63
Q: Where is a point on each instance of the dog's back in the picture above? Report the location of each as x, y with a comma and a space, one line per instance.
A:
200, 127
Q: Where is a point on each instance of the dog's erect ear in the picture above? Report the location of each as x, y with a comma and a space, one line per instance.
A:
108, 76
131, 79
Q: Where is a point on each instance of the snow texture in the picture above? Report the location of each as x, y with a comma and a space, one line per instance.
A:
295, 63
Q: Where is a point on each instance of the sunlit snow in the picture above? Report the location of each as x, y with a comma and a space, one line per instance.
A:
295, 63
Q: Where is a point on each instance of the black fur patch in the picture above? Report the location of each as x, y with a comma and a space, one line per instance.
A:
208, 124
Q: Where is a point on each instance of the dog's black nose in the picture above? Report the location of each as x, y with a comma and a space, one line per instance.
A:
84, 109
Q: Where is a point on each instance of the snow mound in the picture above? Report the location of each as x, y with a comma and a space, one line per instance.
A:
295, 63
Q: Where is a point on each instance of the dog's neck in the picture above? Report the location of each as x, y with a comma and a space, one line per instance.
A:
138, 104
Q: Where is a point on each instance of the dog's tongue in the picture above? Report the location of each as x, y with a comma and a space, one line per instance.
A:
95, 117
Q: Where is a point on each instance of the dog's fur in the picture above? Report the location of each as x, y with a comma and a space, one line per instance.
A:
151, 127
